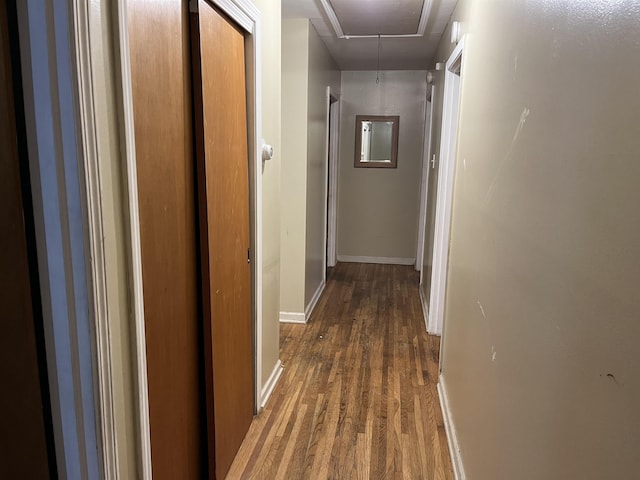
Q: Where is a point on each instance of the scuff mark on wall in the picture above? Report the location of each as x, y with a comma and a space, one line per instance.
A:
612, 377
482, 310
515, 68
523, 118
493, 353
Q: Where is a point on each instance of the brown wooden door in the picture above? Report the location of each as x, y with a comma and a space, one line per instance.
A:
160, 71
221, 143
23, 427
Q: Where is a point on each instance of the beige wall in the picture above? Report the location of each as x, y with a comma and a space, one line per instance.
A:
323, 72
540, 348
271, 132
307, 70
378, 208
295, 61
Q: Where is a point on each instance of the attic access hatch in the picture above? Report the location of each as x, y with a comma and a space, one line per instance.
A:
358, 19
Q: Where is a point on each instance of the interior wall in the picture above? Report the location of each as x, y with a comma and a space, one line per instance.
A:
271, 131
322, 72
295, 85
540, 347
378, 207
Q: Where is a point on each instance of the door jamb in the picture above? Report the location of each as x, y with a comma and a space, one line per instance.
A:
96, 255
424, 179
448, 143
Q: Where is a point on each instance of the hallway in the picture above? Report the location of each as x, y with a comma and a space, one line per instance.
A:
358, 395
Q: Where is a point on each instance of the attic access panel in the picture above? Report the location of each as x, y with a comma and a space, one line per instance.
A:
373, 17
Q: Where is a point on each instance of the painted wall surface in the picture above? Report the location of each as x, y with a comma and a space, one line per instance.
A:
322, 72
540, 349
378, 208
295, 61
271, 131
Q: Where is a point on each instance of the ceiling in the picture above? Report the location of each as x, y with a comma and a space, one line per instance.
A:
407, 49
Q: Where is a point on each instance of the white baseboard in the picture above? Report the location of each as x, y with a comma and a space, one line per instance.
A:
292, 317
382, 260
267, 388
314, 300
452, 439
425, 309
299, 317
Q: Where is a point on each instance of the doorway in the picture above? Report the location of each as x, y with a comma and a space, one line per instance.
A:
448, 149
333, 129
424, 184
197, 191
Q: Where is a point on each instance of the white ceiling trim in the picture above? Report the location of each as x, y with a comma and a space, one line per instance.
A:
335, 22
333, 18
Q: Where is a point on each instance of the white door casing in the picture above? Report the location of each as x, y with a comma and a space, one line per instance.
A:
448, 141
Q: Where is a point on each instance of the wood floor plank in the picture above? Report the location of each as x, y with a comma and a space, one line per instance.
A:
358, 396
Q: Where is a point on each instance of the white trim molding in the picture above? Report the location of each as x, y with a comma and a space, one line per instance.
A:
313, 302
97, 268
327, 136
379, 260
135, 272
444, 202
452, 438
303, 317
293, 317
270, 384
425, 311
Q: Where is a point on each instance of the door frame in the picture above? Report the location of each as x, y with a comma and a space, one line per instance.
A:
424, 179
331, 181
247, 17
446, 176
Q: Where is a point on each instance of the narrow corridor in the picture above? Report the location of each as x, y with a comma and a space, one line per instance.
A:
357, 398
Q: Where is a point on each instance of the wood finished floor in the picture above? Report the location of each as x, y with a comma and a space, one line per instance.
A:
357, 399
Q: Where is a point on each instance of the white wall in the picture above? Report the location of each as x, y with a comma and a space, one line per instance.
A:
378, 207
